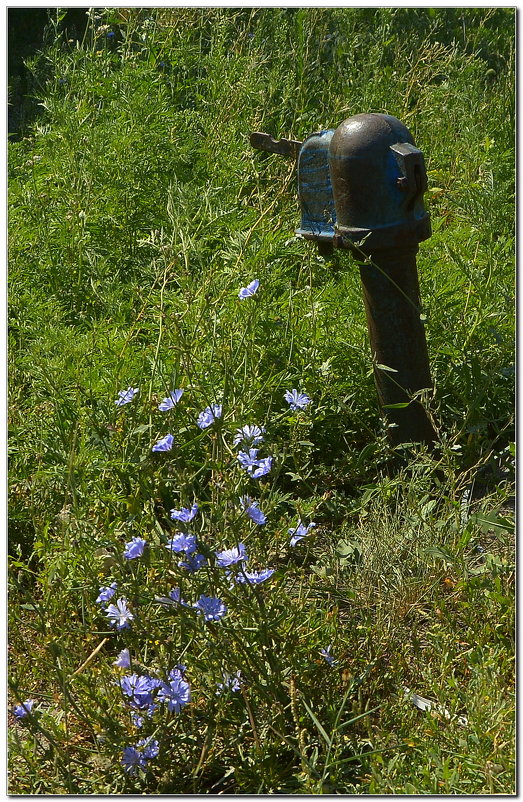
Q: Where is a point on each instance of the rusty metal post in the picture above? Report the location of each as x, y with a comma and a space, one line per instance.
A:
397, 340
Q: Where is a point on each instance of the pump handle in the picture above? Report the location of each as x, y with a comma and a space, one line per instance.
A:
284, 147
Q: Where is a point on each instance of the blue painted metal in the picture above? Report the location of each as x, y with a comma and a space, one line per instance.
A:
318, 213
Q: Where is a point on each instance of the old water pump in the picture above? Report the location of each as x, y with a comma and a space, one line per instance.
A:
361, 188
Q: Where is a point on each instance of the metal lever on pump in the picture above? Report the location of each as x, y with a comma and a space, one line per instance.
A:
284, 147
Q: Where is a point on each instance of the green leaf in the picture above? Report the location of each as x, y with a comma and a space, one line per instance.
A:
493, 521
385, 367
319, 727
141, 429
322, 570
440, 553
357, 718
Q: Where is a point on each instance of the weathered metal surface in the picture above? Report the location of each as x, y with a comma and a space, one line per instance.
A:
378, 179
318, 214
284, 147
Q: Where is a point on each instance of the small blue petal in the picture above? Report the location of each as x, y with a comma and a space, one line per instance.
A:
165, 444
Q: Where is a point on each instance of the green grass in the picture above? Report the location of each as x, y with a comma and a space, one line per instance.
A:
137, 211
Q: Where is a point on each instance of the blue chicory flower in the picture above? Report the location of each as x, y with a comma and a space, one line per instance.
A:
173, 600
107, 593
136, 757
126, 396
300, 532
213, 609
263, 466
252, 510
231, 556
255, 467
249, 434
193, 562
254, 577
328, 656
119, 614
176, 596
139, 688
150, 748
230, 683
137, 720
297, 400
209, 415
169, 402
248, 459
134, 548
132, 759
164, 444
185, 514
249, 290
182, 542
176, 693
123, 660
21, 711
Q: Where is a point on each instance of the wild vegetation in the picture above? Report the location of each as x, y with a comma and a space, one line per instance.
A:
189, 615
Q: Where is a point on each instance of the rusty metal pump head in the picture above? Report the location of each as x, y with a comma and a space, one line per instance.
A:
361, 184
378, 179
